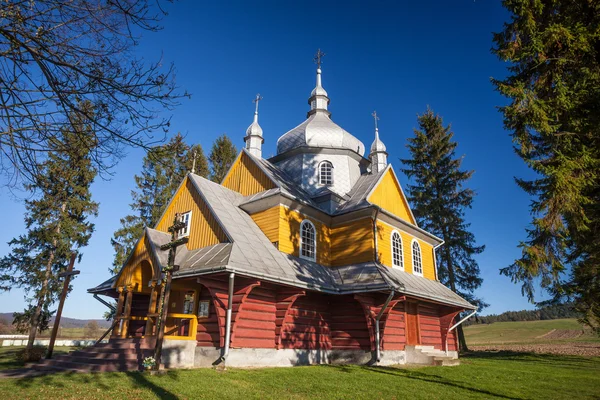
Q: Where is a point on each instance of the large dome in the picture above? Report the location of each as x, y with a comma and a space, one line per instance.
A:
319, 131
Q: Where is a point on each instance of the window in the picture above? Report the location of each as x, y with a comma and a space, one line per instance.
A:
417, 263
397, 258
188, 302
326, 173
204, 309
308, 241
187, 219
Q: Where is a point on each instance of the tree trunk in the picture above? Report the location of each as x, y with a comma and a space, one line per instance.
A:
35, 318
462, 343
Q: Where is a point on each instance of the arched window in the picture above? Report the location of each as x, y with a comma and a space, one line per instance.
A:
326, 173
308, 241
397, 259
417, 262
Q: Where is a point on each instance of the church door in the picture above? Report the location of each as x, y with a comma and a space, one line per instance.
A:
413, 336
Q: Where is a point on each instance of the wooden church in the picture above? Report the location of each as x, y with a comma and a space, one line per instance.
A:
310, 256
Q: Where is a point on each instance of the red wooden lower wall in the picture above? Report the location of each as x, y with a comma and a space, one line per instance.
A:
314, 321
306, 325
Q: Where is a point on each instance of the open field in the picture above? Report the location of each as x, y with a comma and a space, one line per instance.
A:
481, 376
559, 336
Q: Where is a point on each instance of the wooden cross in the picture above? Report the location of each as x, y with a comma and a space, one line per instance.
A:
318, 57
168, 271
376, 118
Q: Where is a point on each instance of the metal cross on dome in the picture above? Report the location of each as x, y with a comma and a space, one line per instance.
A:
376, 118
256, 100
318, 57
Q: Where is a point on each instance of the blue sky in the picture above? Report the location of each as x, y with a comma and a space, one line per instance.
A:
386, 56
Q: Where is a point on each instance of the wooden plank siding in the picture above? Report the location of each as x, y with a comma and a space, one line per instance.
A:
138, 270
352, 242
246, 177
384, 249
289, 235
388, 195
394, 332
268, 222
255, 322
306, 324
349, 327
207, 334
429, 325
204, 228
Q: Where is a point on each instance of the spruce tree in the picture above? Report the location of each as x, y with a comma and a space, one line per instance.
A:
439, 199
222, 155
553, 86
57, 223
163, 170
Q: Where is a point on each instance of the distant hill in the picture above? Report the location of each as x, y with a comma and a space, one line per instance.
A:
554, 311
65, 322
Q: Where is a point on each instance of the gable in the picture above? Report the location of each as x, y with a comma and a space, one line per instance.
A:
138, 269
204, 228
388, 195
246, 177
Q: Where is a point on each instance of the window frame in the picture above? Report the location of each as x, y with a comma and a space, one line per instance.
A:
401, 250
321, 165
302, 244
207, 302
188, 225
412, 248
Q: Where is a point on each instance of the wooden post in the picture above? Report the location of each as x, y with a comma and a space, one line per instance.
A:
119, 312
61, 303
164, 297
148, 331
127, 312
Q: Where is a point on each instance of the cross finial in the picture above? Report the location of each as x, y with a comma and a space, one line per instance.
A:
194, 162
376, 118
318, 57
256, 100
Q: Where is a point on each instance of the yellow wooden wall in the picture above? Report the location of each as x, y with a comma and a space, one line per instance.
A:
268, 222
388, 196
133, 272
204, 229
352, 242
246, 177
384, 246
289, 235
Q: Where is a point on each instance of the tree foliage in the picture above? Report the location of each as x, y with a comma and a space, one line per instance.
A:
552, 311
553, 87
57, 54
222, 155
56, 221
439, 199
163, 170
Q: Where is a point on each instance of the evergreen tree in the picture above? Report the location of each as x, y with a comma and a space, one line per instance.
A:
553, 47
222, 155
163, 170
56, 221
439, 201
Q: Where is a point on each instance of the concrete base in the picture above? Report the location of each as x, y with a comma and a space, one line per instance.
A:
209, 356
178, 353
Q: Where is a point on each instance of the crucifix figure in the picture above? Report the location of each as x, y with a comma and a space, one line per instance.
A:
376, 118
318, 57
168, 271
257, 100
194, 162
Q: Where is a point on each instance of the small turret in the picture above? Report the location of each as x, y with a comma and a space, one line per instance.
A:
378, 154
254, 133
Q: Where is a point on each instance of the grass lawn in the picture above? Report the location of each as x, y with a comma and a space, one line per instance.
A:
481, 375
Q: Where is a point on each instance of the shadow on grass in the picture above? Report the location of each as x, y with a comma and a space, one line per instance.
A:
141, 380
557, 359
415, 374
